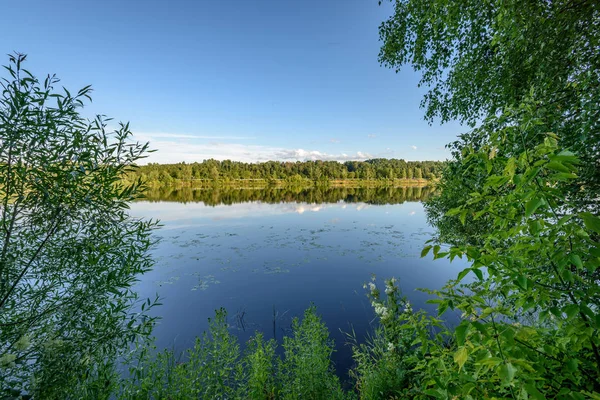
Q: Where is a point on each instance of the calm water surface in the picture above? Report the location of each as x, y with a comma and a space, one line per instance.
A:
260, 258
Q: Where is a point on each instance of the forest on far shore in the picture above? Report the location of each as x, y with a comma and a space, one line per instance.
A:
299, 171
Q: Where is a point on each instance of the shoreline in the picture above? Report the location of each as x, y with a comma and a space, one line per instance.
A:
282, 183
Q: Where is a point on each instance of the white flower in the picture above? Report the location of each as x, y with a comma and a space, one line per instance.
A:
382, 311
372, 287
389, 290
391, 347
407, 308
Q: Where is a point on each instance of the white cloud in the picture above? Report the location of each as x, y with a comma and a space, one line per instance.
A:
313, 155
172, 148
334, 140
413, 147
371, 135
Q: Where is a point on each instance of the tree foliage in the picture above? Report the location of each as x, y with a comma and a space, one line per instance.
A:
530, 317
519, 200
292, 172
480, 58
69, 252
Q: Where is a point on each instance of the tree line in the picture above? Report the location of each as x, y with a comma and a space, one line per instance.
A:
215, 170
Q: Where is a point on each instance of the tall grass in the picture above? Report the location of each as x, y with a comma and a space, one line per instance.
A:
215, 368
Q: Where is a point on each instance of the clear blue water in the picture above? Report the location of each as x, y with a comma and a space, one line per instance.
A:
255, 258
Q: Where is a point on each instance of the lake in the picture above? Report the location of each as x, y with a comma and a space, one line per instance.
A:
266, 255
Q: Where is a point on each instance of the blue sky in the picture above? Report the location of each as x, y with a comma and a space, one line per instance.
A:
247, 80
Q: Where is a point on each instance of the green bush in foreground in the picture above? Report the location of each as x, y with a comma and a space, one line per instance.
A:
70, 253
385, 367
382, 367
215, 368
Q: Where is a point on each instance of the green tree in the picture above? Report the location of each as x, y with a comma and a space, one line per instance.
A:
70, 252
272, 170
480, 58
390, 173
532, 309
418, 173
214, 173
519, 199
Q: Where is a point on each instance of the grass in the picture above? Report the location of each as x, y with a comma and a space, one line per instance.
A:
216, 367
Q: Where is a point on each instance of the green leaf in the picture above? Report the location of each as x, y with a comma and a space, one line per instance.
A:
509, 335
425, 251
491, 361
462, 274
435, 393
535, 226
454, 211
564, 219
543, 315
591, 221
532, 205
463, 216
480, 327
571, 310
565, 156
442, 307
522, 282
534, 392
478, 272
441, 254
460, 357
567, 275
576, 261
557, 166
586, 310
566, 153
507, 373
595, 250
509, 169
497, 180
563, 176
572, 365
461, 332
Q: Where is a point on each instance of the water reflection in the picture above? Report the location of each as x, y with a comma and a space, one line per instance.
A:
225, 195
266, 254
174, 215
